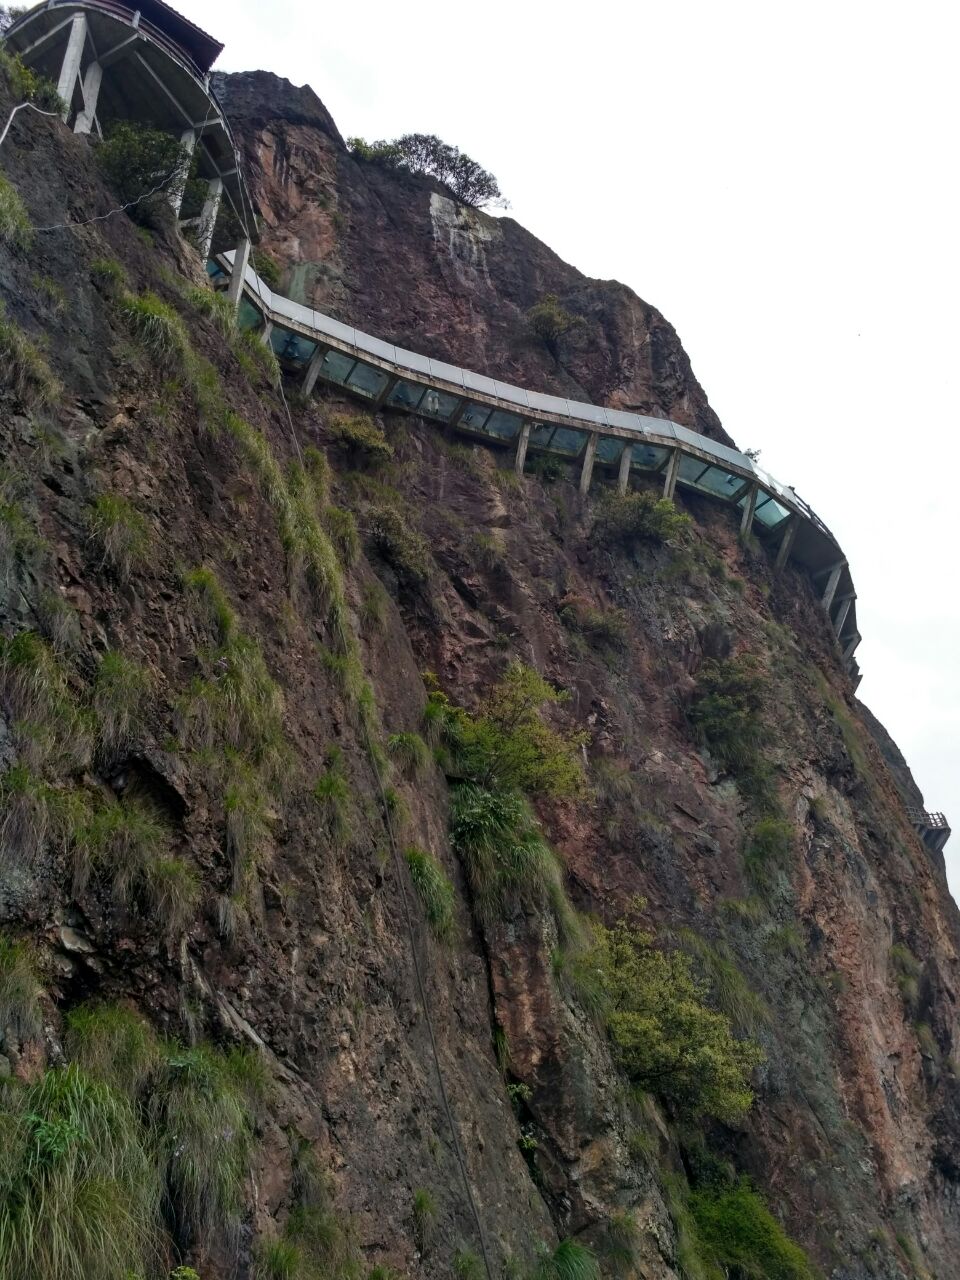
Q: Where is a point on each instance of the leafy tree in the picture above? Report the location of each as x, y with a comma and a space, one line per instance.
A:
550, 321
426, 153
142, 164
665, 1035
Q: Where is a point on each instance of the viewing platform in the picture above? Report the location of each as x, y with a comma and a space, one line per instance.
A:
145, 62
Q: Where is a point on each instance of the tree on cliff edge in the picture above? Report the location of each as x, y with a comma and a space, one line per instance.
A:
426, 153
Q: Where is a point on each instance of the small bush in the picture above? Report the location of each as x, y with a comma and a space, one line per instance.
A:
119, 695
410, 752
404, 550
603, 629
361, 438
727, 717
266, 268
435, 891
47, 724
551, 321
768, 846
159, 328
24, 368
467, 1265
20, 1013
15, 225
26, 84
630, 519
737, 1233
119, 533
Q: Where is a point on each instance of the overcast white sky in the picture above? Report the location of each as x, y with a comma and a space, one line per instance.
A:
781, 182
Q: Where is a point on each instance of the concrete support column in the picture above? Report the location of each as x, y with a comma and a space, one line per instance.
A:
845, 606
209, 215
830, 590
749, 507
786, 542
313, 371
188, 140
623, 478
586, 471
387, 391
90, 89
521, 455
70, 67
265, 335
241, 258
851, 647
673, 470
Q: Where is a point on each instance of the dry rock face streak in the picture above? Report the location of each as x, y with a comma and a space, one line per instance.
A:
333, 753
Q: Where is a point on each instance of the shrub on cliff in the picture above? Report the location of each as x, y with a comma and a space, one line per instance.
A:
142, 165
550, 321
727, 711
629, 519
738, 1234
665, 1035
426, 153
435, 891
15, 225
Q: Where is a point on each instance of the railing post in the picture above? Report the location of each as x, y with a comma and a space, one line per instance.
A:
673, 470
786, 542
749, 507
521, 455
623, 478
70, 67
241, 258
586, 470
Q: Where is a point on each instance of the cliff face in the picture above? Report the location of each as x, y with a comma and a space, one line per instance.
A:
263, 745
393, 254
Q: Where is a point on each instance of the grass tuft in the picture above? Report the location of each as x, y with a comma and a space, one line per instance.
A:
24, 368
119, 534
20, 1013
119, 695
332, 792
568, 1261
159, 329
15, 226
410, 752
435, 891
424, 1216
114, 1044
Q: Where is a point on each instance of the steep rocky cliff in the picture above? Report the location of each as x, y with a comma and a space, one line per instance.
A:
217, 620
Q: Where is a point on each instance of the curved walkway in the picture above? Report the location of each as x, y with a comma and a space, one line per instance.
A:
601, 439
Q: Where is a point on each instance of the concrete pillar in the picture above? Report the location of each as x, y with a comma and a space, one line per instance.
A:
208, 216
523, 439
188, 140
386, 392
313, 371
851, 647
90, 89
749, 507
623, 479
845, 606
786, 542
265, 335
830, 590
70, 68
673, 470
586, 470
241, 258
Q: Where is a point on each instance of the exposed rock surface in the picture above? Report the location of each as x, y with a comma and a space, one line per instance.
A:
854, 1138
393, 254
